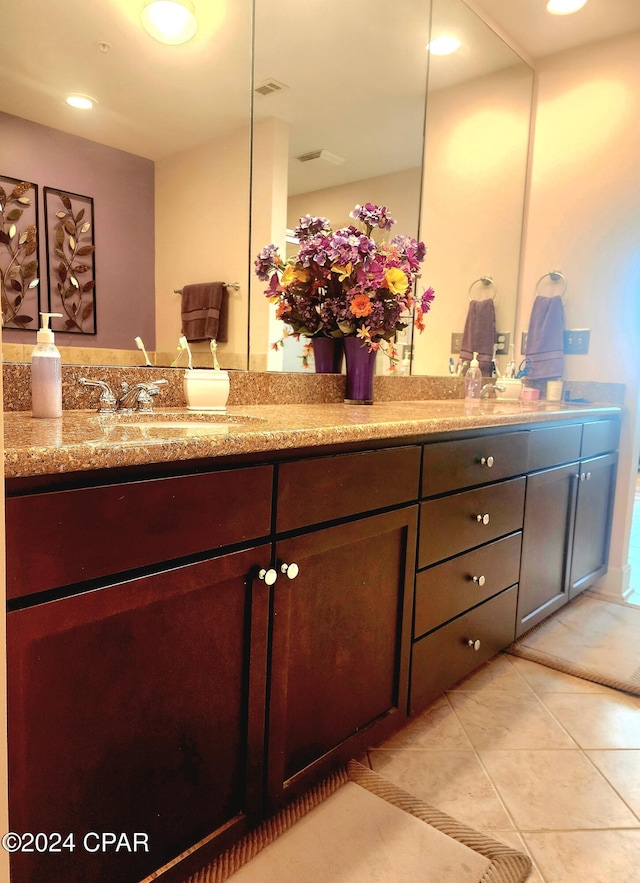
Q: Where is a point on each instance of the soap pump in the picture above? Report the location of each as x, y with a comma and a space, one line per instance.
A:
46, 372
473, 381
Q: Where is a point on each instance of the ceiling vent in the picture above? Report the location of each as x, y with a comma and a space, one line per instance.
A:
332, 158
269, 87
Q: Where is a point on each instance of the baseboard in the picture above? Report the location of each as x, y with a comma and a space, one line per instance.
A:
614, 585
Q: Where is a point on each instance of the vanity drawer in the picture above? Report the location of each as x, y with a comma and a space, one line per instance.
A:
451, 465
454, 524
554, 445
327, 488
446, 590
600, 437
63, 537
444, 657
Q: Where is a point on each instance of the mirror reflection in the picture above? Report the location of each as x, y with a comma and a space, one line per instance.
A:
164, 154
334, 126
476, 147
340, 122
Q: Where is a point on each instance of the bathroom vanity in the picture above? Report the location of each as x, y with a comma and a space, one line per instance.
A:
193, 642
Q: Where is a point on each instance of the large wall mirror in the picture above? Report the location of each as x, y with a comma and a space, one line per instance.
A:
164, 155
356, 93
476, 149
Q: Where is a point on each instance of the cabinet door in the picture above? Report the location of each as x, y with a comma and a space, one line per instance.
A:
593, 521
341, 639
546, 540
128, 712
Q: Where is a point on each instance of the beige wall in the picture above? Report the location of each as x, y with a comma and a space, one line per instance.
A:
584, 219
202, 231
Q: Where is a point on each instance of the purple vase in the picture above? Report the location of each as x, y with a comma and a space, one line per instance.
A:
361, 363
327, 354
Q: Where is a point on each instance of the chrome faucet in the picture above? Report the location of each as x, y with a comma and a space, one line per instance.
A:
140, 396
132, 398
489, 390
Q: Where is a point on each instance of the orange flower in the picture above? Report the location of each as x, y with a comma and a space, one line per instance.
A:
361, 305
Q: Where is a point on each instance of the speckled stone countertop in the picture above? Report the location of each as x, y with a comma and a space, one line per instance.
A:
84, 440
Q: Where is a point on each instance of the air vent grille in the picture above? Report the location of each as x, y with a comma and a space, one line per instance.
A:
325, 155
269, 87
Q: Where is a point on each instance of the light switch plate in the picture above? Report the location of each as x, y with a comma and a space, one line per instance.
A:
576, 341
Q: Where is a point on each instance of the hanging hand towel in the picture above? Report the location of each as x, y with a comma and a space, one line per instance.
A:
545, 339
479, 335
204, 311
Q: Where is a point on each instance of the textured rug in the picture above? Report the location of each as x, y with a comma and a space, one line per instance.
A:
356, 827
592, 639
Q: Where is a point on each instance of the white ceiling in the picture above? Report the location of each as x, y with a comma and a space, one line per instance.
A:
529, 24
360, 98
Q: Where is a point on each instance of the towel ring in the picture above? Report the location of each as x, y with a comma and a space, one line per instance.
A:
555, 276
486, 281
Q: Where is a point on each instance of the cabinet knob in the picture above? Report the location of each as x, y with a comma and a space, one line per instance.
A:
588, 476
291, 570
487, 461
268, 576
483, 519
475, 645
480, 580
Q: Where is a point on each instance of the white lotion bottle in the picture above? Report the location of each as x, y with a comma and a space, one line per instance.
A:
473, 381
46, 373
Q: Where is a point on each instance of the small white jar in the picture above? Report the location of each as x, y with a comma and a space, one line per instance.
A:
206, 389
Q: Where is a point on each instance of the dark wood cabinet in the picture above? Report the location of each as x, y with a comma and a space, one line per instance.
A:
595, 486
567, 520
188, 650
340, 646
129, 711
546, 544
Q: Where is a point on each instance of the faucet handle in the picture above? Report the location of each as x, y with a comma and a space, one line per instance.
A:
107, 402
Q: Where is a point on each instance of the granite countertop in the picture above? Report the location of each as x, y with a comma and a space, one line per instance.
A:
83, 440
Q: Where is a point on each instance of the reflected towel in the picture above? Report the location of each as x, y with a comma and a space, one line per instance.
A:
204, 311
545, 339
479, 335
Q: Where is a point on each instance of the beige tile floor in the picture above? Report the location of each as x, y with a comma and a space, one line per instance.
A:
541, 760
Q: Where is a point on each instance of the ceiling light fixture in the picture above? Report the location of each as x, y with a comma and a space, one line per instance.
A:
564, 7
170, 21
80, 102
444, 45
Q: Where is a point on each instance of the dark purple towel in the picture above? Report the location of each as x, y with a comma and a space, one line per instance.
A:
545, 338
479, 335
204, 311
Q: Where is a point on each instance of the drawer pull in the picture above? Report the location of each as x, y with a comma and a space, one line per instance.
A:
483, 519
291, 570
487, 461
268, 576
479, 579
475, 645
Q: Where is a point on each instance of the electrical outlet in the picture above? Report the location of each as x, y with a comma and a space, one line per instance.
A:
523, 342
503, 339
456, 342
576, 341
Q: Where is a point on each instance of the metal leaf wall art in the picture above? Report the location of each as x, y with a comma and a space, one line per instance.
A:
71, 260
19, 282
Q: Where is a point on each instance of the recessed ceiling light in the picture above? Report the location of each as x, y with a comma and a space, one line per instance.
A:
564, 7
80, 102
170, 21
444, 45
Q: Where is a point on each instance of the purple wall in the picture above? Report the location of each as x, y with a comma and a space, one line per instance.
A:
122, 188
